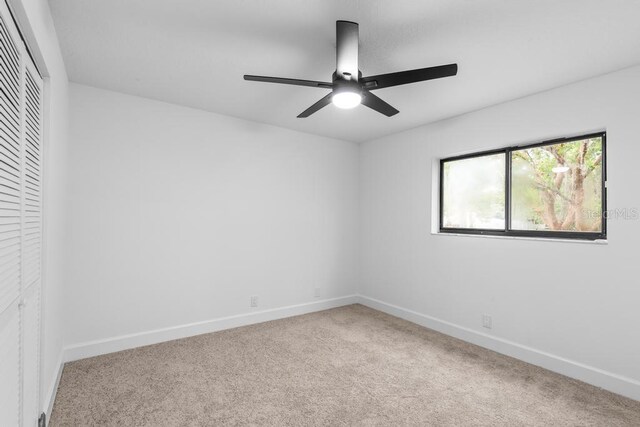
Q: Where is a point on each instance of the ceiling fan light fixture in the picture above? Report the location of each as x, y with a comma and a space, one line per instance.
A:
346, 100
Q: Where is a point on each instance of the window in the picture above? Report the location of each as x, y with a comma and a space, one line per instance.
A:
551, 189
473, 192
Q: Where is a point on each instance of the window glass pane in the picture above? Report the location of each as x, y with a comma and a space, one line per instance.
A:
473, 193
558, 187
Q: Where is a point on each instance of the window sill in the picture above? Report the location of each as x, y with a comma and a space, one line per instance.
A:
539, 239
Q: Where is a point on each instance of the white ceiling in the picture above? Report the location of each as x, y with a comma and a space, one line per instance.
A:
194, 53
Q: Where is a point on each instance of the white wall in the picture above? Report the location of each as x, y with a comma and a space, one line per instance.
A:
179, 216
34, 19
571, 300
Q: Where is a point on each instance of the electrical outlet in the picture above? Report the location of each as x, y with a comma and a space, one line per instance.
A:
486, 321
316, 293
253, 301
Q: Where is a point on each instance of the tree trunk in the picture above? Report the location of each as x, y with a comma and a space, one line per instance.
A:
549, 215
578, 201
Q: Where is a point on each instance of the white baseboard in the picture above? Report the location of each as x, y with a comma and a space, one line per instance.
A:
53, 389
609, 381
125, 342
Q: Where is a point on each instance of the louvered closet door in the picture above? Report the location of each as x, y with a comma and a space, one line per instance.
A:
20, 228
32, 177
31, 243
10, 222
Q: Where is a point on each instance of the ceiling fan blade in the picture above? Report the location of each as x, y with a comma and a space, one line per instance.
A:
375, 103
412, 76
347, 50
315, 107
297, 82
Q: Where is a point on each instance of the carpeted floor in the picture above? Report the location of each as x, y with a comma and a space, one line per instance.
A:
346, 366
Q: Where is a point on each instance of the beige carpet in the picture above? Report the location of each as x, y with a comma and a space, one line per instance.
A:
347, 366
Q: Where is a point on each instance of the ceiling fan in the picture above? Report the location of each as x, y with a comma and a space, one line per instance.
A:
349, 88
